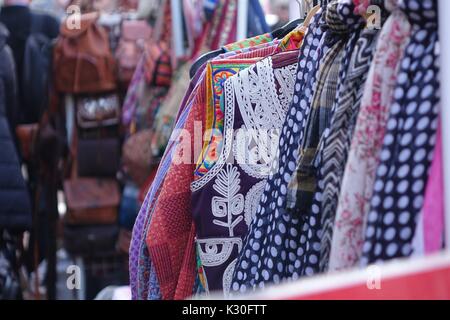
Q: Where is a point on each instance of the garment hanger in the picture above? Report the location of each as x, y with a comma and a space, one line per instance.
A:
284, 30
202, 60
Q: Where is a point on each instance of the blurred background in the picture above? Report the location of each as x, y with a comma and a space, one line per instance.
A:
80, 139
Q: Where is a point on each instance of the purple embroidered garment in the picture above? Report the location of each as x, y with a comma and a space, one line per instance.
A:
224, 200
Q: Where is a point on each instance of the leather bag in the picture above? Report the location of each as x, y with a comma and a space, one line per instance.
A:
83, 62
131, 47
91, 201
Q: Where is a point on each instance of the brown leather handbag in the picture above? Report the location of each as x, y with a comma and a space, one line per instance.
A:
83, 62
96, 112
91, 201
137, 156
131, 47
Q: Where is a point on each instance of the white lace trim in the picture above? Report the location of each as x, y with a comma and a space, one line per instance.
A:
263, 108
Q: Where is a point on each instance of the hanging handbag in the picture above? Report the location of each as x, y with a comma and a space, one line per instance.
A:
98, 151
91, 201
158, 64
137, 156
83, 62
98, 157
131, 47
98, 111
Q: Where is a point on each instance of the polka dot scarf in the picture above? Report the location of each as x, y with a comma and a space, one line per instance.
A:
409, 142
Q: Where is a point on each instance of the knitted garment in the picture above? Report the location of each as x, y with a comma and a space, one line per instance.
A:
139, 263
138, 252
409, 142
263, 258
357, 184
169, 230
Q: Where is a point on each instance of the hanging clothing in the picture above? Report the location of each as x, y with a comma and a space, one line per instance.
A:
263, 259
15, 204
171, 227
255, 102
309, 206
357, 183
337, 140
303, 182
409, 142
215, 117
138, 251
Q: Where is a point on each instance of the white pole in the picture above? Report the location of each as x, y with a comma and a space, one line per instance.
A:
444, 38
177, 27
242, 20
296, 10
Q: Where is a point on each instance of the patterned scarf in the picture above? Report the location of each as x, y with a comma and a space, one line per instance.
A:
311, 233
409, 142
337, 140
303, 183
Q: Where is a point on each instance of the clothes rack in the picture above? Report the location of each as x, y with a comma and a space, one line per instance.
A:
296, 9
177, 26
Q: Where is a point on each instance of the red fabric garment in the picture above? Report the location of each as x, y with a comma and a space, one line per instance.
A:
172, 222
